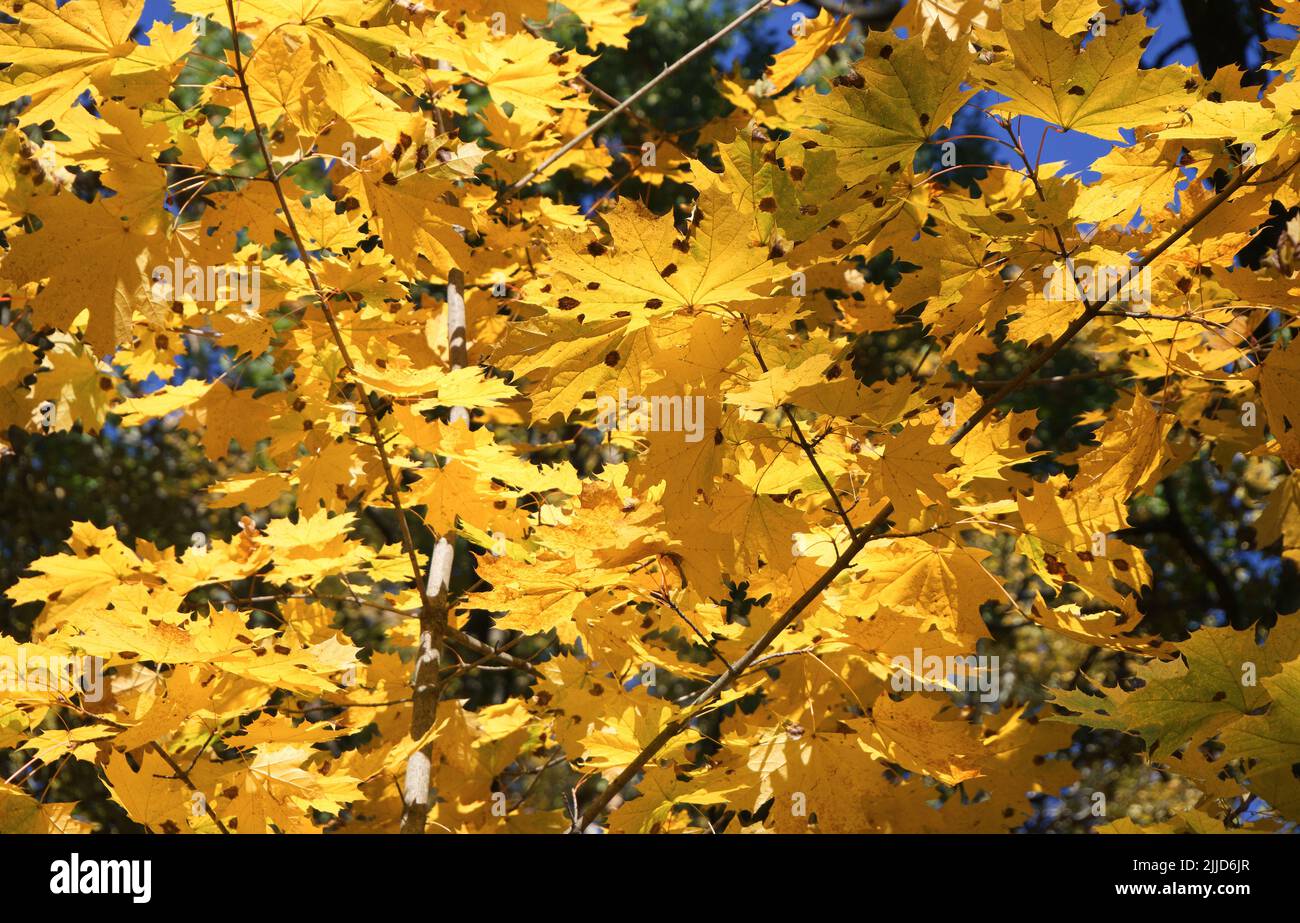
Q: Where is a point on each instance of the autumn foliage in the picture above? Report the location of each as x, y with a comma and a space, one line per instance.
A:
562, 514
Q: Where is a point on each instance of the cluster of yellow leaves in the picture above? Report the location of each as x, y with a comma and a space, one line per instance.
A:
1223, 716
222, 711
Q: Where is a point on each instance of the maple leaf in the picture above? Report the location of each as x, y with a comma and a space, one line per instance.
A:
825, 774
49, 269
898, 95
1099, 89
1131, 179
81, 581
520, 71
661, 791
55, 50
152, 795
813, 39
1189, 698
906, 733
1279, 380
613, 745
21, 813
942, 583
651, 269
607, 21
911, 469
1272, 739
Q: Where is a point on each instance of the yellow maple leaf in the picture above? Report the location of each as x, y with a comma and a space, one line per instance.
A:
1099, 89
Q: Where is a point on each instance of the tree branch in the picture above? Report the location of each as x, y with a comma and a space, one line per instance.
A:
874, 14
427, 678
433, 609
1092, 308
394, 496
666, 73
189, 783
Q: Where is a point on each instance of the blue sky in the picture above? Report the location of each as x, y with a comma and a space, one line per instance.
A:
1075, 149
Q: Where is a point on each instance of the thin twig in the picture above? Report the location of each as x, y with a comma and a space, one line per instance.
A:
803, 440
666, 73
189, 783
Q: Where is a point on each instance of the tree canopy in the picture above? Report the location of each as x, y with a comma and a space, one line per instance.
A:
454, 417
